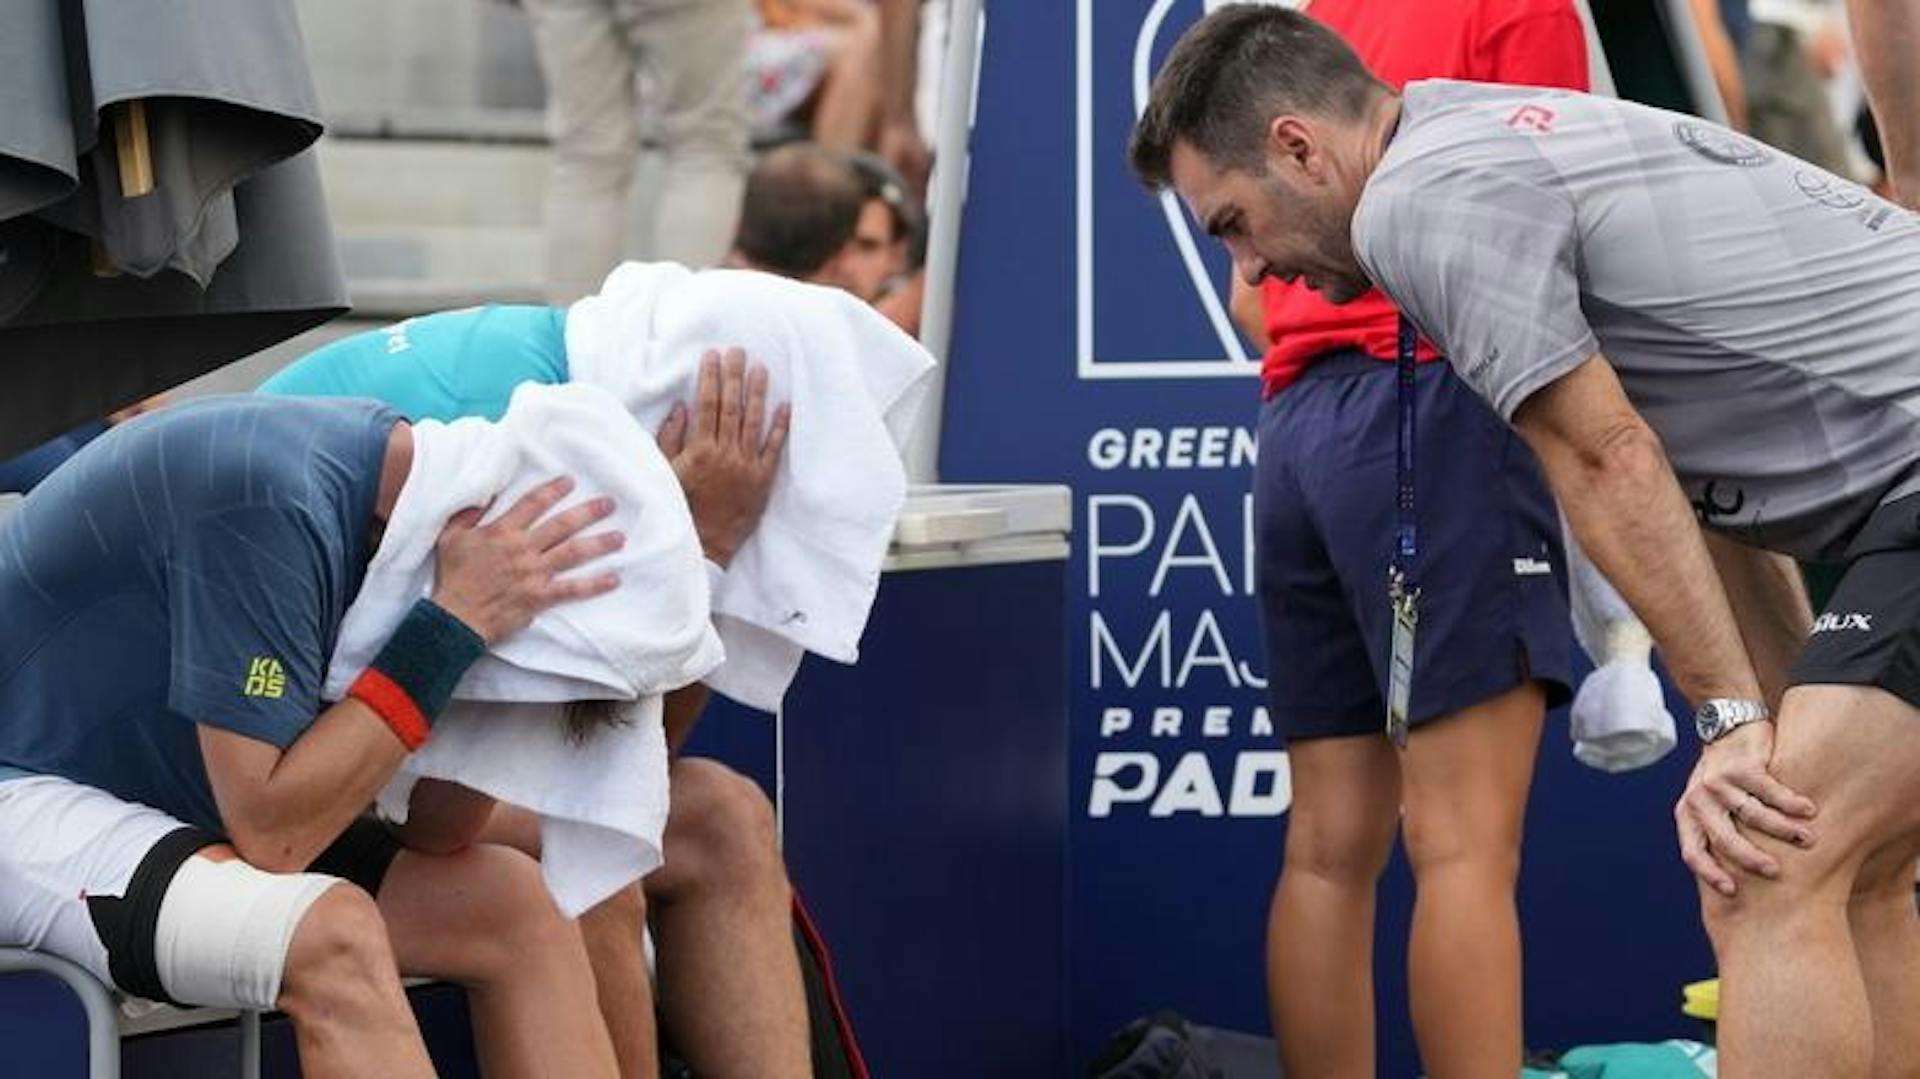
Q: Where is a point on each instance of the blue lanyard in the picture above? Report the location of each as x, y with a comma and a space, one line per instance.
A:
1406, 534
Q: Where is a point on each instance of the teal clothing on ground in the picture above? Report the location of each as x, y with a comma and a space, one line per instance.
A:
438, 367
1675, 1059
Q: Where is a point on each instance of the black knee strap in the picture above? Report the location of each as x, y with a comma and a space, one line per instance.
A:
126, 924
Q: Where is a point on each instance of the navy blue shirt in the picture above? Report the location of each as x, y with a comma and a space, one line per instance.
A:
23, 473
189, 566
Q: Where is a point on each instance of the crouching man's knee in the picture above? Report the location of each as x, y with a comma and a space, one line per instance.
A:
1810, 885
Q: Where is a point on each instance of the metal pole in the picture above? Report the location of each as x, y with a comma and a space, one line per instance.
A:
1599, 72
249, 1045
1691, 55
103, 1019
959, 80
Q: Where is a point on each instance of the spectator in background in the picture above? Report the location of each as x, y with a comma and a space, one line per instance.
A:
900, 295
1724, 26
689, 57
818, 61
811, 215
1795, 46
1457, 795
901, 142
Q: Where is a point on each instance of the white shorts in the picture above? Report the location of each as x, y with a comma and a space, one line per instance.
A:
116, 888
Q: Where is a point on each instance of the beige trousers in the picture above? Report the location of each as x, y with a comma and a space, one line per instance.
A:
687, 57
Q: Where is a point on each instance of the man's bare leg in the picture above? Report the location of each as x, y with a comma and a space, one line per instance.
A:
482, 917
1886, 941
730, 986
341, 989
1793, 996
1466, 778
613, 933
1340, 831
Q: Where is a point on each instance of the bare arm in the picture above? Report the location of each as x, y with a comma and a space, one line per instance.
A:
282, 807
681, 710
443, 816
1769, 604
901, 142
1886, 38
1619, 493
832, 12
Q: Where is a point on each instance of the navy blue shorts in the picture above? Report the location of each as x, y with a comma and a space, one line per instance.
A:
1491, 566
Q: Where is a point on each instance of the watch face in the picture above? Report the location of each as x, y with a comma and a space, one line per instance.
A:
1709, 721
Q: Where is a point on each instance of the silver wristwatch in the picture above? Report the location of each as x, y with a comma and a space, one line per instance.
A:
1718, 717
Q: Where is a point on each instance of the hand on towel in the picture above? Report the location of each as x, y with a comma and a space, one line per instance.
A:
496, 577
723, 463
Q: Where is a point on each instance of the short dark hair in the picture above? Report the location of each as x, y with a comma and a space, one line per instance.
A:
583, 718
885, 183
1233, 71
801, 205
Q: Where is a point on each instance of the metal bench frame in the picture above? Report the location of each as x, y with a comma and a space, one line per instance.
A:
103, 1013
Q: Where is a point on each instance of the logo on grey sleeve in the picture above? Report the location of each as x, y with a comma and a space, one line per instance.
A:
1712, 508
1838, 194
1476, 372
1719, 144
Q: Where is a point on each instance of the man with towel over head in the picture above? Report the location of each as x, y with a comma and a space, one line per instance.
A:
731, 992
180, 811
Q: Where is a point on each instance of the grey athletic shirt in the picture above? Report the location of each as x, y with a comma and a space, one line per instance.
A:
1763, 314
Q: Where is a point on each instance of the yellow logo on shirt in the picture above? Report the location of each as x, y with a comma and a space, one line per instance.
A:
265, 678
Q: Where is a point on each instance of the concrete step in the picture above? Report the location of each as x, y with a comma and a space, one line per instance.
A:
413, 183
396, 270
426, 225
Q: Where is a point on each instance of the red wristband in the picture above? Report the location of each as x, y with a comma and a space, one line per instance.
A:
392, 704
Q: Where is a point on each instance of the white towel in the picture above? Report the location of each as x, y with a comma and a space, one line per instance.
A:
805, 580
603, 802
1620, 720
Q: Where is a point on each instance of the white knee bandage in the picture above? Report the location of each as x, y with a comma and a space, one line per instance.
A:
224, 931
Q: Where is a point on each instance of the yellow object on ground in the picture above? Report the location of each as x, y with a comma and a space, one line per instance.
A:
1702, 1000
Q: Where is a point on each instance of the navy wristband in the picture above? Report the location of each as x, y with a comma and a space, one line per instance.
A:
426, 656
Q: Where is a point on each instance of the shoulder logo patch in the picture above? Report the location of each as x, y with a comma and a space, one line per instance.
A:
1719, 144
265, 678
